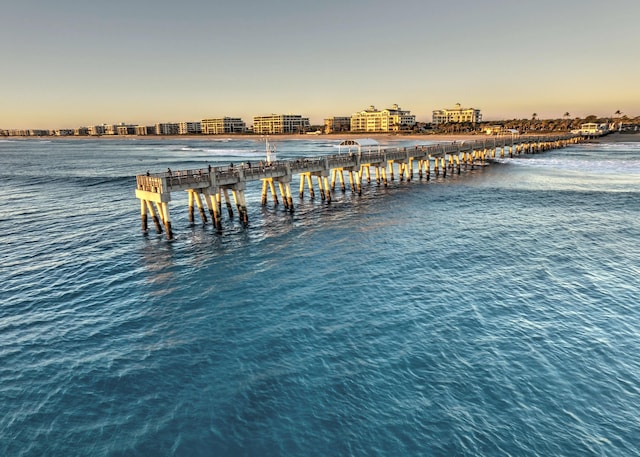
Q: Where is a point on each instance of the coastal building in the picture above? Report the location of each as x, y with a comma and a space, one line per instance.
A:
592, 129
96, 130
189, 128
110, 129
493, 129
457, 115
22, 132
280, 123
167, 128
126, 129
392, 119
337, 124
221, 125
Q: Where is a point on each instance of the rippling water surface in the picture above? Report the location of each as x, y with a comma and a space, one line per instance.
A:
490, 313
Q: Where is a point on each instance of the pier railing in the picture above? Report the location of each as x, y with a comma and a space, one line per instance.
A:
226, 175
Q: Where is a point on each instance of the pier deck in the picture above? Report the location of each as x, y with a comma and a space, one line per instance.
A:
208, 187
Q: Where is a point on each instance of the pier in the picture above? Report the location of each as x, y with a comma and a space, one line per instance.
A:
208, 188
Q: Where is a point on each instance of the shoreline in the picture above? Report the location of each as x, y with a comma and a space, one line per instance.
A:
610, 138
273, 137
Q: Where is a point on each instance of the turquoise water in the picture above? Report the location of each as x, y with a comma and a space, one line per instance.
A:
489, 313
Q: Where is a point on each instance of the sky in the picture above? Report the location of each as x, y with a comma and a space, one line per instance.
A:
71, 63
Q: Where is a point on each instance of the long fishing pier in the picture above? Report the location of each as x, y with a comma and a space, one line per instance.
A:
209, 187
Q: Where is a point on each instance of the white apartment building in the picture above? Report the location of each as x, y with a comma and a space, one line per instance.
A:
337, 124
280, 123
189, 128
392, 119
97, 130
457, 115
167, 128
220, 125
123, 129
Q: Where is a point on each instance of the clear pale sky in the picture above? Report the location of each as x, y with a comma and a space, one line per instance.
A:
69, 63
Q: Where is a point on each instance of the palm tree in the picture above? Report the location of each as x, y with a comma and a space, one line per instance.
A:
619, 114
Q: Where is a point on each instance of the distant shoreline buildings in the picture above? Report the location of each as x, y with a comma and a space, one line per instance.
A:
369, 120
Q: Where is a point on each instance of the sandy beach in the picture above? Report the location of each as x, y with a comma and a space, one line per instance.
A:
618, 138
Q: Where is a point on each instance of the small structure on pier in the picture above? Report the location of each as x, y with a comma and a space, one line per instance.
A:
368, 143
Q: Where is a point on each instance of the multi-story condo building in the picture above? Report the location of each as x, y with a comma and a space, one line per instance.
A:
21, 132
391, 119
189, 128
110, 129
95, 130
125, 129
280, 123
457, 115
167, 128
220, 125
337, 124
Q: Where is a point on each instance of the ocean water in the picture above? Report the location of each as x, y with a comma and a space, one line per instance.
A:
495, 312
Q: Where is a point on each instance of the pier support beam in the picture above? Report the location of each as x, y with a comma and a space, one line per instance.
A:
343, 187
196, 197
166, 219
321, 188
327, 189
227, 200
190, 191
154, 216
391, 176
143, 215
352, 181
287, 189
265, 186
241, 204
274, 194
338, 173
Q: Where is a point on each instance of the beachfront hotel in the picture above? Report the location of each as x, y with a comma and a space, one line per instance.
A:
125, 129
189, 128
167, 128
280, 123
337, 124
457, 115
220, 125
391, 119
